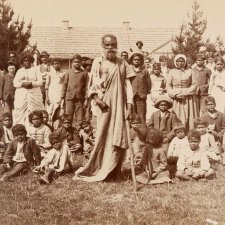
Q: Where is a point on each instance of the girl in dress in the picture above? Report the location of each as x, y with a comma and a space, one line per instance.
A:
217, 84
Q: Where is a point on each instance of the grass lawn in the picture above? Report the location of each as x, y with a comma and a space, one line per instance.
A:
25, 201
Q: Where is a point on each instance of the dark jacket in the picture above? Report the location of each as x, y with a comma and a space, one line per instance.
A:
75, 84
202, 77
218, 120
141, 83
30, 150
71, 135
166, 125
7, 90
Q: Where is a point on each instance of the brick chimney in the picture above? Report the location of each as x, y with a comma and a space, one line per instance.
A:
65, 24
126, 25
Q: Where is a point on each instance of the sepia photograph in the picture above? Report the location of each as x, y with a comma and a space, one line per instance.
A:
112, 112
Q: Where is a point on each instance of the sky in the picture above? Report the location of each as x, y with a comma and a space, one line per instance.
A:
111, 13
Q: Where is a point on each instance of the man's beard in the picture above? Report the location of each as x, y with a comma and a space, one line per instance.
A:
110, 54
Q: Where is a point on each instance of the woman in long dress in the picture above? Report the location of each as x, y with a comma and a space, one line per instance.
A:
217, 84
181, 87
28, 95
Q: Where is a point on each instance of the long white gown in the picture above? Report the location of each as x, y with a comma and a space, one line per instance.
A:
27, 100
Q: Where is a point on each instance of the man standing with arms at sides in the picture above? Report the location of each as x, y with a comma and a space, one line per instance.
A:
113, 94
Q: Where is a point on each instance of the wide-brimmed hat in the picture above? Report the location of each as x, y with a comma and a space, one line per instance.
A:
44, 53
163, 99
135, 54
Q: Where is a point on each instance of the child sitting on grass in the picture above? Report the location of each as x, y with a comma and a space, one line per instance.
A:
39, 131
86, 134
177, 146
70, 135
46, 119
56, 159
214, 117
5, 133
193, 163
208, 143
21, 154
153, 160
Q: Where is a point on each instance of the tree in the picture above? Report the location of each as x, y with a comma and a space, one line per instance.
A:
13, 34
216, 48
189, 39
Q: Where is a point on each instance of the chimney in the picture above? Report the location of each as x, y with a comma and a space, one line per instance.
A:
126, 25
65, 24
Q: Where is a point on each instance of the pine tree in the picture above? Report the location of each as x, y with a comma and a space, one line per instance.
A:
13, 34
191, 33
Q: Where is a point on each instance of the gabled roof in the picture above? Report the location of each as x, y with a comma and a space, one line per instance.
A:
64, 43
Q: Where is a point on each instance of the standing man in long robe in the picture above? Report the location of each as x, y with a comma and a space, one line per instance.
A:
112, 93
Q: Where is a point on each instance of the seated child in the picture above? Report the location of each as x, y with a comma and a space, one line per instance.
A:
70, 135
56, 159
86, 134
45, 119
5, 133
153, 160
39, 132
163, 119
21, 154
193, 163
177, 146
215, 118
208, 143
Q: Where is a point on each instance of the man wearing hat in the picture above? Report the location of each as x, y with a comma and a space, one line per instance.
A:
141, 85
163, 119
44, 68
74, 89
202, 75
7, 90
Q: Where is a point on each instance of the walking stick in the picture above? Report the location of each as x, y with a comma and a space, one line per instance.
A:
131, 152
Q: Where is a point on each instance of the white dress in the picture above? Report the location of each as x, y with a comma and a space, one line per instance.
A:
26, 100
216, 89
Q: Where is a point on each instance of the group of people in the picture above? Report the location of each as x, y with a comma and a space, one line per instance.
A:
175, 115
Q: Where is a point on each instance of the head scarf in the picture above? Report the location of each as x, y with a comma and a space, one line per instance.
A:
180, 56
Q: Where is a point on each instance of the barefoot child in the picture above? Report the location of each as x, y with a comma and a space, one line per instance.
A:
21, 154
56, 159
